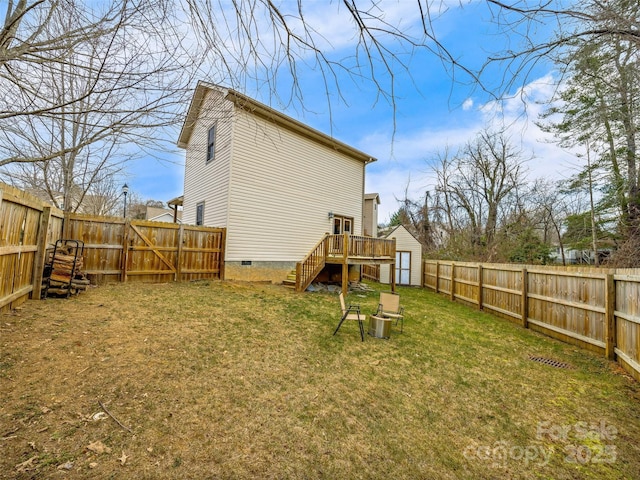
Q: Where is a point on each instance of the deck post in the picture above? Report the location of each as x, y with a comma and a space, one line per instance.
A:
392, 276
392, 267
345, 264
345, 278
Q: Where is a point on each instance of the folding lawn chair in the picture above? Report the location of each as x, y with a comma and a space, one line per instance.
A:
389, 306
352, 312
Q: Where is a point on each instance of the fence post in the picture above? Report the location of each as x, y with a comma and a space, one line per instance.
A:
223, 249
65, 225
525, 299
125, 250
179, 258
453, 281
610, 317
437, 275
41, 252
479, 286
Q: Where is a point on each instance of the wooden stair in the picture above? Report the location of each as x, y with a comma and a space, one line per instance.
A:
290, 281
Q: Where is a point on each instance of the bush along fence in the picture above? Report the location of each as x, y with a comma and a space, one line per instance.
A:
593, 308
115, 249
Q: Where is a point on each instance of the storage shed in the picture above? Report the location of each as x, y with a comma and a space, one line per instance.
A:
408, 258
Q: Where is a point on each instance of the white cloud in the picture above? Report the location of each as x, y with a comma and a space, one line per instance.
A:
406, 163
467, 104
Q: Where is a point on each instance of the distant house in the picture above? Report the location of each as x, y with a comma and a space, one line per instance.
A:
408, 267
579, 257
158, 214
276, 184
370, 217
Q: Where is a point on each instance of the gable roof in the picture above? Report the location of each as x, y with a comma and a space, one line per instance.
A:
388, 235
265, 112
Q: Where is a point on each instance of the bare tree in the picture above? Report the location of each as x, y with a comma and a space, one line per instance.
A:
474, 188
264, 42
93, 104
31, 37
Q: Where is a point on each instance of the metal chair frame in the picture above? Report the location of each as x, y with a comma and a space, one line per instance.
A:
352, 312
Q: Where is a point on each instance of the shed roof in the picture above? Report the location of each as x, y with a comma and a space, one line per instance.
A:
390, 234
263, 111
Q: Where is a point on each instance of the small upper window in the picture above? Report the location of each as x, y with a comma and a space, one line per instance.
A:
200, 213
211, 143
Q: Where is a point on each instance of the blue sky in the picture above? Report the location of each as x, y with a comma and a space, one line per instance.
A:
432, 112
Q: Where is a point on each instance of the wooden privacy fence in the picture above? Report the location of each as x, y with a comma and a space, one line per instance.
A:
27, 227
593, 308
115, 249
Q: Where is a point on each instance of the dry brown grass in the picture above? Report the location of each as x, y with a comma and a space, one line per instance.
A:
228, 380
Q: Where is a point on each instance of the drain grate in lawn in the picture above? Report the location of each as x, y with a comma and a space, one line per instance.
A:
550, 362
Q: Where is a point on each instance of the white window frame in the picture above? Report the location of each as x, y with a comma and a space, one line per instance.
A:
200, 213
211, 143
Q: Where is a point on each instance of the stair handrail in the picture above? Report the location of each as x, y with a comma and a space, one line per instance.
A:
311, 264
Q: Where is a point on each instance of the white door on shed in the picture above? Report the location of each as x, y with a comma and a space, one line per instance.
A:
403, 268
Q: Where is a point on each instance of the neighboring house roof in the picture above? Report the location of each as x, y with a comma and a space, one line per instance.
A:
162, 214
165, 217
266, 112
372, 196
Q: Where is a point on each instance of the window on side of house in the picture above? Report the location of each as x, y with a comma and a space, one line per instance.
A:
211, 144
200, 213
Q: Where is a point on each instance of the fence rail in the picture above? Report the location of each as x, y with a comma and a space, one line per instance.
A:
594, 308
115, 249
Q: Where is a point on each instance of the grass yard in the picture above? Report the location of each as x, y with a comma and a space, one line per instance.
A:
233, 380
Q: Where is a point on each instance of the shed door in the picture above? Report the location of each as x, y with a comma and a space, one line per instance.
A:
403, 268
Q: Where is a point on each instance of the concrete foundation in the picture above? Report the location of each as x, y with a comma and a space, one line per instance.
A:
275, 272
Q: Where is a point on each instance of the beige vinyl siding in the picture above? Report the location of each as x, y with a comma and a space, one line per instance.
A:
407, 243
283, 186
209, 182
370, 217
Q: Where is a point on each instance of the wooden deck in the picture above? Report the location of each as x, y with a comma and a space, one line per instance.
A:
345, 250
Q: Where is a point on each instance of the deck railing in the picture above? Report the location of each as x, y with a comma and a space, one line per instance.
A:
335, 246
360, 246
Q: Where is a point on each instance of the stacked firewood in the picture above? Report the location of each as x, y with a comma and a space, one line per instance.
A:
67, 277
